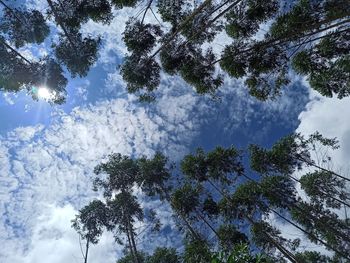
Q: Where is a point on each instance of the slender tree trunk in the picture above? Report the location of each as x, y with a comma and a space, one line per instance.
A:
298, 157
15, 51
144, 14
215, 187
181, 26
59, 21
12, 12
183, 218
277, 245
208, 224
130, 246
86, 250
134, 244
300, 228
283, 40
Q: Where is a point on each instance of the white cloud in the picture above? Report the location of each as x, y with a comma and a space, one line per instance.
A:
45, 172
52, 166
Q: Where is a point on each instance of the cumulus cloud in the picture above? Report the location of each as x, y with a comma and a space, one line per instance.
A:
45, 171
52, 166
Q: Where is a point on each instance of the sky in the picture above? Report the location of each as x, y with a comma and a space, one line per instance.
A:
47, 153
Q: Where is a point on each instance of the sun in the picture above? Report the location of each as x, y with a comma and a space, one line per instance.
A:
44, 93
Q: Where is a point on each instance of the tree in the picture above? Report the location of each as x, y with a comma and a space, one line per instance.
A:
125, 210
90, 223
230, 237
84, 49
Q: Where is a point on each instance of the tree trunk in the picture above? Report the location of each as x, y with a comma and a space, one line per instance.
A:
283, 40
133, 243
144, 14
15, 51
86, 250
181, 26
11, 10
298, 157
130, 246
208, 224
58, 19
183, 218
277, 245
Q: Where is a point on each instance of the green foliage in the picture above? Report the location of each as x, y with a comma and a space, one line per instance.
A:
164, 255
124, 3
124, 211
140, 73
230, 237
217, 164
24, 27
245, 201
185, 199
239, 254
327, 65
309, 36
129, 258
79, 55
91, 221
244, 20
121, 174
140, 38
98, 11
153, 175
272, 187
17, 73
217, 222
313, 256
172, 11
322, 186
196, 251
210, 207
197, 70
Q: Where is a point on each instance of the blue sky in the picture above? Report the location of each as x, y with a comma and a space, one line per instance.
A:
47, 153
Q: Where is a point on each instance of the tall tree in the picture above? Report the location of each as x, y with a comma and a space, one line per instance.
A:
90, 223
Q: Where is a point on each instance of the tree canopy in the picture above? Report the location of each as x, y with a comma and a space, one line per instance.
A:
267, 41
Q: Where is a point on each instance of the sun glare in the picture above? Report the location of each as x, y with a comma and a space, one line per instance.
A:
44, 93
